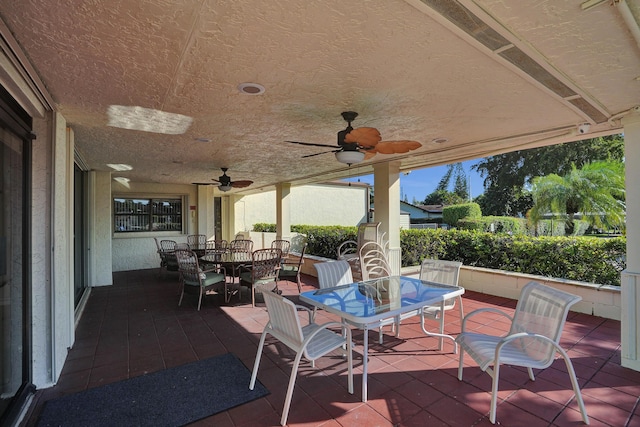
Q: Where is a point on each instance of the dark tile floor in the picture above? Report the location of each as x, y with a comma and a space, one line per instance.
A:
135, 327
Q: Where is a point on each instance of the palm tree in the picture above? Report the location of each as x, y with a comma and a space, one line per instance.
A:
597, 190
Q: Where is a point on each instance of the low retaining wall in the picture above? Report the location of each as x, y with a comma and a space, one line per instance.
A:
597, 300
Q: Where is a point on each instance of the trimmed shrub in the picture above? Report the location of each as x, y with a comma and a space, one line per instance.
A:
452, 214
586, 259
497, 224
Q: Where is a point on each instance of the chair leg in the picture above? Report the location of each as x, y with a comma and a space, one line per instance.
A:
200, 297
574, 383
254, 374
181, 296
461, 365
292, 381
494, 393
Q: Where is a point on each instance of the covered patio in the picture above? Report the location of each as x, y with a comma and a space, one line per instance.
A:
151, 100
135, 327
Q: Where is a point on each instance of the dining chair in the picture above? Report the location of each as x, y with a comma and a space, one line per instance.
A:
311, 341
264, 267
290, 268
333, 273
197, 243
374, 265
283, 245
194, 279
445, 272
532, 341
168, 254
241, 245
197, 240
350, 249
216, 247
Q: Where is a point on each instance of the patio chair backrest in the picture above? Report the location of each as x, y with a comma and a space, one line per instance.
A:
198, 241
441, 271
265, 264
373, 261
241, 245
167, 245
541, 310
283, 245
188, 266
369, 232
216, 246
283, 319
333, 273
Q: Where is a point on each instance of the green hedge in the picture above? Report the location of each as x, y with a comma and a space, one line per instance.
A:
452, 214
586, 259
322, 241
501, 224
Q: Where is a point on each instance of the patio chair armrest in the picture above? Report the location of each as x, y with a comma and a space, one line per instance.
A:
216, 269
505, 340
483, 310
319, 329
309, 311
345, 247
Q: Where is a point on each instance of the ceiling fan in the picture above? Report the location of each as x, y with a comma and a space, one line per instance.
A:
356, 145
225, 183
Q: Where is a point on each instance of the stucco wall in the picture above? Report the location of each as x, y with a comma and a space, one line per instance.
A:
138, 250
321, 204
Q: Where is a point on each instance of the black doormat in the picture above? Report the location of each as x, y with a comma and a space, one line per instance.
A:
172, 397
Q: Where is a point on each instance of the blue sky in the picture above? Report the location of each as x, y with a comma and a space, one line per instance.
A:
421, 182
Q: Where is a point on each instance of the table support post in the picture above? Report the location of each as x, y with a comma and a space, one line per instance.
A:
365, 357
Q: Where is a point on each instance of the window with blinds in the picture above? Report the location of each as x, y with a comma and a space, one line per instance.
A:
138, 214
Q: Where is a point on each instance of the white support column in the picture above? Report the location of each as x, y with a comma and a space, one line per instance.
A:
630, 281
204, 214
283, 211
386, 187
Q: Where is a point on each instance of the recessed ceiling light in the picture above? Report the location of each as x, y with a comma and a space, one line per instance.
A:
439, 140
251, 88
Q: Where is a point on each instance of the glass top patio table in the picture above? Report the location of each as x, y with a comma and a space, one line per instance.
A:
366, 304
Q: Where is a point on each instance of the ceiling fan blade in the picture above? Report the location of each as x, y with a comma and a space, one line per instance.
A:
204, 183
310, 144
365, 136
241, 184
395, 147
317, 154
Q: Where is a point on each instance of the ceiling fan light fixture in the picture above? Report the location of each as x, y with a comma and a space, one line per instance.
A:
224, 188
350, 157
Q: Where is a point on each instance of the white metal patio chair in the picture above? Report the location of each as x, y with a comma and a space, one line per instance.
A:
532, 341
311, 341
374, 265
445, 272
350, 250
333, 273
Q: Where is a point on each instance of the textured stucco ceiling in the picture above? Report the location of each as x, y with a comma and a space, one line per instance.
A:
408, 69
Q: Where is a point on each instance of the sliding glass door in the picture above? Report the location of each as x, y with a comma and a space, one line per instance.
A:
15, 330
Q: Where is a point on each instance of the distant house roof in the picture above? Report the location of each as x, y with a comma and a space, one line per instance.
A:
421, 211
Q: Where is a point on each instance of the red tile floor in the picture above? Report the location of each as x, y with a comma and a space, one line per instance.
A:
135, 327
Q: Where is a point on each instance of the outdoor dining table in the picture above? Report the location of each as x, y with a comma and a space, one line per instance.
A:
365, 304
230, 260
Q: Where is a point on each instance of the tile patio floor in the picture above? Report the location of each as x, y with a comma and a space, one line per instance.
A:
135, 327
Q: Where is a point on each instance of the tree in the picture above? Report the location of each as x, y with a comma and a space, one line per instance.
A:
507, 175
442, 196
596, 190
